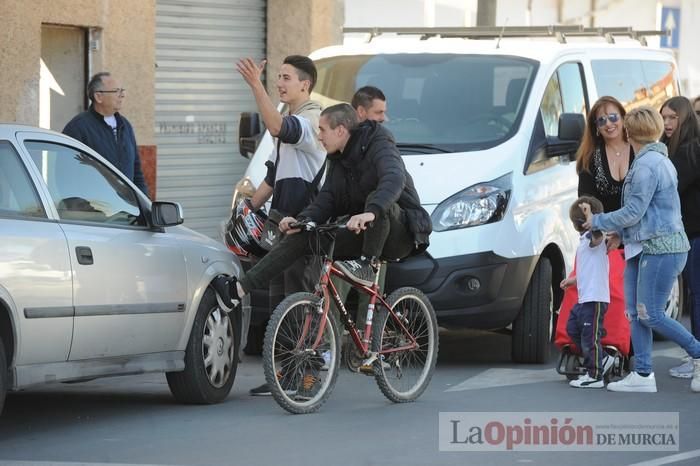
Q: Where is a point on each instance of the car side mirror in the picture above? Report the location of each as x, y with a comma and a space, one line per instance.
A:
571, 127
249, 132
166, 214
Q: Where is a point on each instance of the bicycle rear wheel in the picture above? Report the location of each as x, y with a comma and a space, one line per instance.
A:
301, 361
403, 375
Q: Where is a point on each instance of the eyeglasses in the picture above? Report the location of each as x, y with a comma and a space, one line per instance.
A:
119, 91
603, 120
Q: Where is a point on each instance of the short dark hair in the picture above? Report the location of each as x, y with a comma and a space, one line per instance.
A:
365, 95
305, 68
95, 84
576, 214
341, 114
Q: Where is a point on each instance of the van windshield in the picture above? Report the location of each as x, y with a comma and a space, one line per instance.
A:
436, 102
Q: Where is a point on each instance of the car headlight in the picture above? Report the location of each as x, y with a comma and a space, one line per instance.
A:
476, 205
244, 189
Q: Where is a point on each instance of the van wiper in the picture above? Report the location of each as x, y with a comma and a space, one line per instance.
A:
422, 148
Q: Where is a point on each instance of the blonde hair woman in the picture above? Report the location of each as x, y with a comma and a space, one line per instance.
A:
656, 248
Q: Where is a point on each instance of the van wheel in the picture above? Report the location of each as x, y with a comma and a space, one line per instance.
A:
3, 375
675, 304
532, 329
211, 358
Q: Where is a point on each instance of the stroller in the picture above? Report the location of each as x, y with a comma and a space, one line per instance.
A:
616, 340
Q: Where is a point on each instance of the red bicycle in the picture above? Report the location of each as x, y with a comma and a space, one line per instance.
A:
302, 349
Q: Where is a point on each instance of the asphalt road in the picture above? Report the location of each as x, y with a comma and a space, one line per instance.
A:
134, 420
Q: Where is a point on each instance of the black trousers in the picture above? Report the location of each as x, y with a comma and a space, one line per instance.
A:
388, 238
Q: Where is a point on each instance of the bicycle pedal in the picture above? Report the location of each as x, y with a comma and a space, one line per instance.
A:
367, 369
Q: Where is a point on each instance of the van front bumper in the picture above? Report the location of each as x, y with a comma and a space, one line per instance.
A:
482, 291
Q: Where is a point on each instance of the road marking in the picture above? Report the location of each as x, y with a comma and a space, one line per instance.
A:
63, 463
669, 459
492, 378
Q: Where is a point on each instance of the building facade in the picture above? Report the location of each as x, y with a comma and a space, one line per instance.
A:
176, 58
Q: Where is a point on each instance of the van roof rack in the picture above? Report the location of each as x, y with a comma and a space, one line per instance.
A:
495, 32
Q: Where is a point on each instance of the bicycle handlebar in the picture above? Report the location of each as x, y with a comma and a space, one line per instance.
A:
312, 226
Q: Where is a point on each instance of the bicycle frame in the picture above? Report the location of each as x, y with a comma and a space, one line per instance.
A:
326, 289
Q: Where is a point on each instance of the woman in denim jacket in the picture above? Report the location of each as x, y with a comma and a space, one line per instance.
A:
656, 248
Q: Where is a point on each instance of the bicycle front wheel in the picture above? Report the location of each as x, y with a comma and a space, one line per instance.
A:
403, 374
301, 353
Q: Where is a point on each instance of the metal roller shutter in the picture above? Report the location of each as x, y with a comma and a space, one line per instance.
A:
199, 97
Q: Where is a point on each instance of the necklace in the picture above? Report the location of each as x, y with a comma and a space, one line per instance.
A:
617, 153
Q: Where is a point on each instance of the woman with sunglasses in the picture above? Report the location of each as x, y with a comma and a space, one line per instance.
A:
602, 162
682, 137
604, 156
656, 248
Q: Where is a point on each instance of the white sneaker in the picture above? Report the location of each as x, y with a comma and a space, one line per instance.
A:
684, 371
608, 363
636, 383
695, 383
586, 381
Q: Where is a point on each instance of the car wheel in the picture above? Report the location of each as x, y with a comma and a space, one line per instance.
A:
3, 375
532, 329
211, 358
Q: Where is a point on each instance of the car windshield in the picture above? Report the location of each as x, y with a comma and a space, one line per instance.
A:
436, 102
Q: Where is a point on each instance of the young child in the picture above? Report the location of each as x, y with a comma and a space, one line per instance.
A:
585, 324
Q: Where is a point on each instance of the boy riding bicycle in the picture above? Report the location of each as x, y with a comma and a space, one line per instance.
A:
367, 180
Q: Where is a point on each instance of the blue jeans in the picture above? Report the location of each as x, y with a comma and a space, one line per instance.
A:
648, 282
692, 278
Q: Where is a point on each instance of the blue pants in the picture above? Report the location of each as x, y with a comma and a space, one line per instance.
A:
692, 278
585, 328
648, 282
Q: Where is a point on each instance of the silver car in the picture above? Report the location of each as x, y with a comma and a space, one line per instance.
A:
96, 280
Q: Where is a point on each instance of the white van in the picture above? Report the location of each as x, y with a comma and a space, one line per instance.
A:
488, 128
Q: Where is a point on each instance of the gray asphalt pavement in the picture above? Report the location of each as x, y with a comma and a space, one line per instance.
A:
134, 420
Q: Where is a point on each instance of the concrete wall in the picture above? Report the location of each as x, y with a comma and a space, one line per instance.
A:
126, 48
298, 27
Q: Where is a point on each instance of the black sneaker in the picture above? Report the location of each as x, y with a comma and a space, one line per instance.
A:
359, 270
262, 390
226, 292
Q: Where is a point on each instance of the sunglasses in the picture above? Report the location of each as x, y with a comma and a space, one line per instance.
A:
603, 120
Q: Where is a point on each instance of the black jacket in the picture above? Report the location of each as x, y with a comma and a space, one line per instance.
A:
370, 172
687, 163
91, 129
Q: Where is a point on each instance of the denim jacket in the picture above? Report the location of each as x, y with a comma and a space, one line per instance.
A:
650, 203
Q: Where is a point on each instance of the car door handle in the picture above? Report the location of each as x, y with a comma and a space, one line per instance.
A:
84, 255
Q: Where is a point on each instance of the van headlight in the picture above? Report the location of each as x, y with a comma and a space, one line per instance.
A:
476, 205
244, 189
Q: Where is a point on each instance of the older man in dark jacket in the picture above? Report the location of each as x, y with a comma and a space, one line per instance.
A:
106, 131
367, 180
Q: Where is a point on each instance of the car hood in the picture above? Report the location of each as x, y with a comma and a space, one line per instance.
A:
455, 172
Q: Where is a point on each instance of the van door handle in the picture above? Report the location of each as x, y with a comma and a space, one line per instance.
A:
84, 255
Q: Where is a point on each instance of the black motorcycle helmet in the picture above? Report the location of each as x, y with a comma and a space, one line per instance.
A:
244, 230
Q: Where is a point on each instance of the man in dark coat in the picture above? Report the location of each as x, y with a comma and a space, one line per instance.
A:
367, 180
106, 131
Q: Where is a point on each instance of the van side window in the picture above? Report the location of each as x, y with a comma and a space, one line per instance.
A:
635, 82
564, 94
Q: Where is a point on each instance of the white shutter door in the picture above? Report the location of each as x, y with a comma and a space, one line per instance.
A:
199, 97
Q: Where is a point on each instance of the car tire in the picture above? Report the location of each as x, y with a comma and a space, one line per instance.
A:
3, 375
211, 357
532, 328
